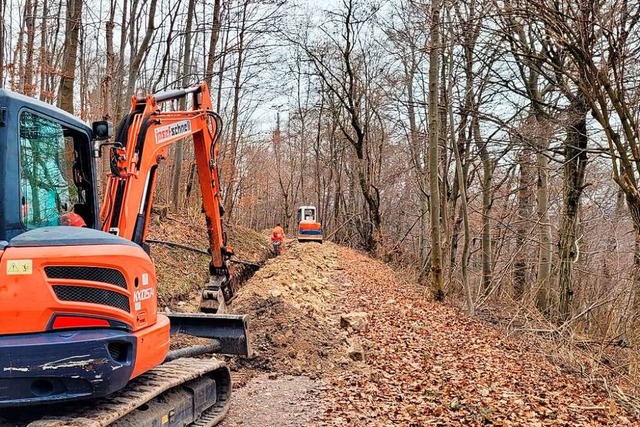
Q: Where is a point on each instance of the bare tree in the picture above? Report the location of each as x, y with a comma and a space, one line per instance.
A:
179, 148
30, 9
231, 152
344, 79
137, 51
44, 57
67, 79
107, 81
575, 166
3, 39
434, 121
216, 24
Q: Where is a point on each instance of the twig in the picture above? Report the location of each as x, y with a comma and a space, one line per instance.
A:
587, 408
342, 226
584, 312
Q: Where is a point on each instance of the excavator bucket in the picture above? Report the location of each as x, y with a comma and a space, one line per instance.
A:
217, 293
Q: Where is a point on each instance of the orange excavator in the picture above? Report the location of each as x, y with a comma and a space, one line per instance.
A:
79, 316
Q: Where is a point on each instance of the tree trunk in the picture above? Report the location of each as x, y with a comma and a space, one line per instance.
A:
213, 42
415, 148
44, 56
232, 153
67, 79
523, 224
575, 162
434, 119
633, 203
30, 9
120, 76
3, 34
107, 81
544, 225
487, 203
179, 147
137, 55
462, 183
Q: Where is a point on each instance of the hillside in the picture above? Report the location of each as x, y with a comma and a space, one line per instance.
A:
182, 273
340, 339
414, 362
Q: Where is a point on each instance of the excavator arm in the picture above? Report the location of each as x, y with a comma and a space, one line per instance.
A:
142, 141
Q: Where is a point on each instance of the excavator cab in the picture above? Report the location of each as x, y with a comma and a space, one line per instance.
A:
309, 229
79, 311
46, 167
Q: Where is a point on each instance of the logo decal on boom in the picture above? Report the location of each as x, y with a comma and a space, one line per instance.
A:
172, 131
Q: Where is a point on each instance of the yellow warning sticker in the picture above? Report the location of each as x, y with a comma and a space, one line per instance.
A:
19, 266
165, 419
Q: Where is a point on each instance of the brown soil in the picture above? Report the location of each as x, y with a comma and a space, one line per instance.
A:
270, 400
293, 318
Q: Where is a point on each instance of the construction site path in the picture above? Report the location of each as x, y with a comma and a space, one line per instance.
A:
340, 341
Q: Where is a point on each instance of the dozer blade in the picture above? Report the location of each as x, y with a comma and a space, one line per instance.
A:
229, 332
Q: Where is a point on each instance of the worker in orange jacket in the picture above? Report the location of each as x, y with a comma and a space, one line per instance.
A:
277, 239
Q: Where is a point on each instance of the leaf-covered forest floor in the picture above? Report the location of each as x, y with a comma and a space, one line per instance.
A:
407, 362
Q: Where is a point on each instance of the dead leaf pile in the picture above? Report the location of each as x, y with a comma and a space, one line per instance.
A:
428, 364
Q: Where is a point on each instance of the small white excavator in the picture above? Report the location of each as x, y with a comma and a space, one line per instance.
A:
309, 229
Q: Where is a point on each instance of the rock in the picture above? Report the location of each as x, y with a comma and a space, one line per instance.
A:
276, 293
355, 350
455, 404
343, 362
356, 320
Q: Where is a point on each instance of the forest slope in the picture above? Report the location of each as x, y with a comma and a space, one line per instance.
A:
415, 362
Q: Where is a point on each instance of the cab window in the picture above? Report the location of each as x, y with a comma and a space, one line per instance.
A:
50, 171
308, 214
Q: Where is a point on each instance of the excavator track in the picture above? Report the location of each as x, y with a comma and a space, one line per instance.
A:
158, 397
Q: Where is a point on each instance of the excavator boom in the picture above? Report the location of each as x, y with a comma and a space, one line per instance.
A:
143, 139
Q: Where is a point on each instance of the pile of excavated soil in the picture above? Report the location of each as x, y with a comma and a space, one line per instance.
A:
415, 363
293, 324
